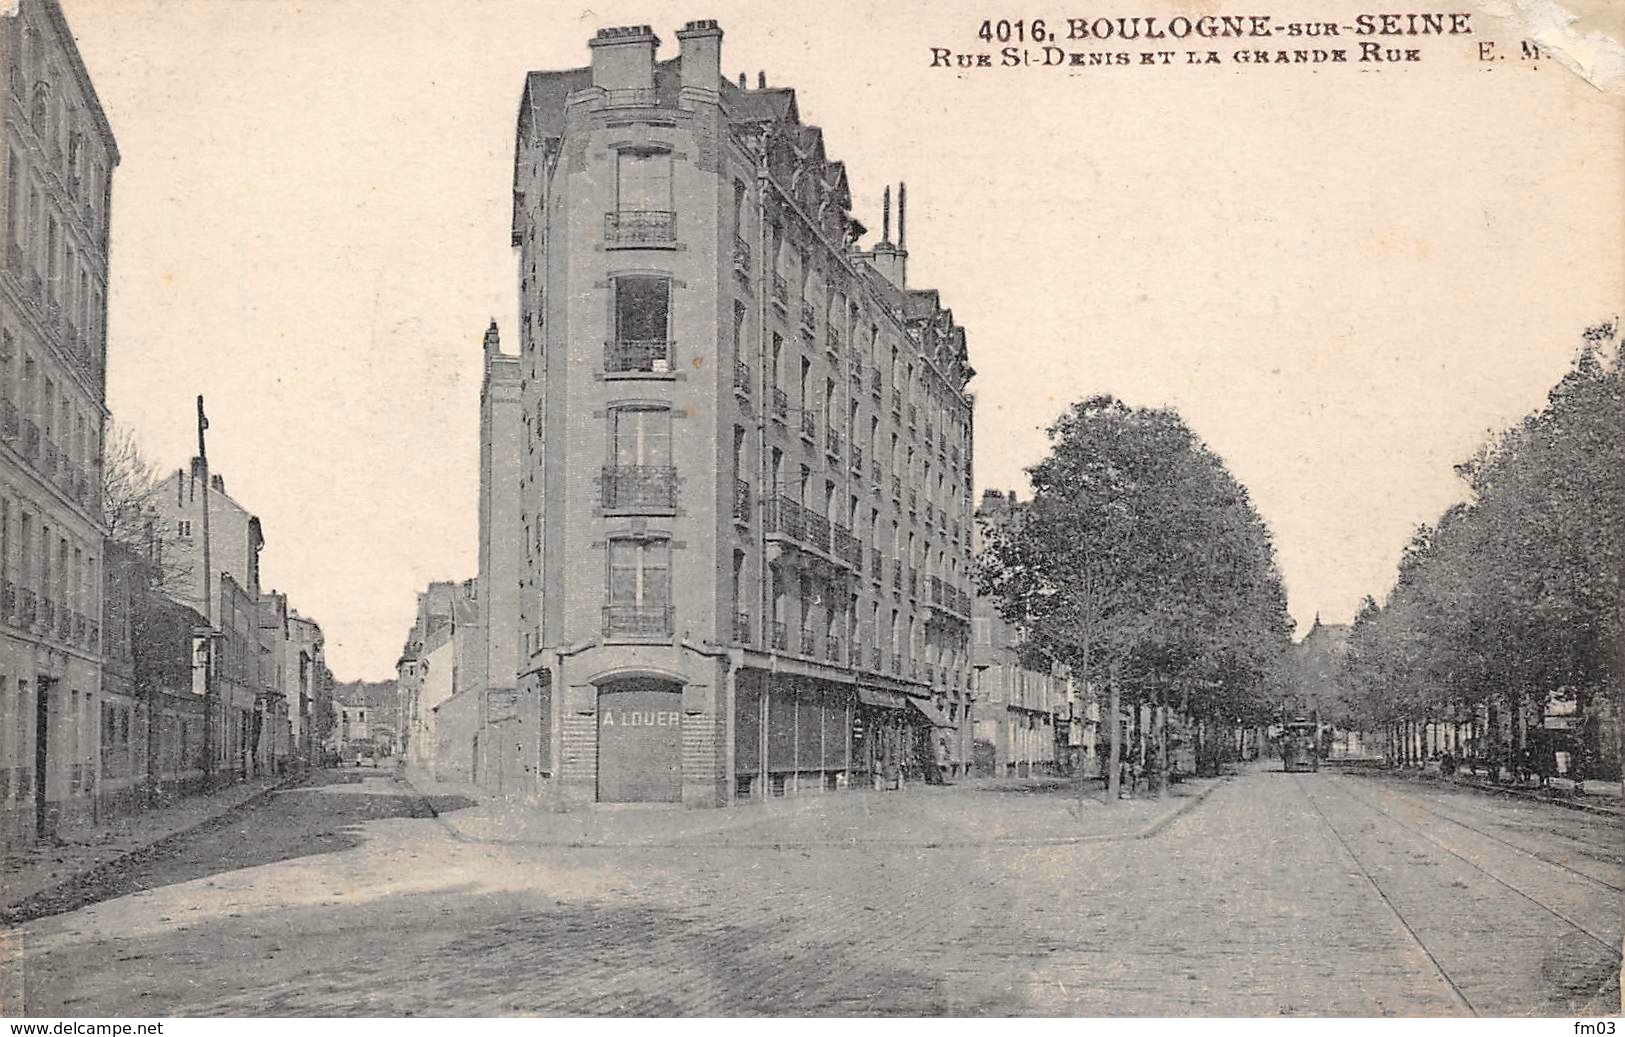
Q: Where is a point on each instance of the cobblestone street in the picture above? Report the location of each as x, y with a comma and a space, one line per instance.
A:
1277, 894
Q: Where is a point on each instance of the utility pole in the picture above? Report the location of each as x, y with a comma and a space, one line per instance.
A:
208, 605
1114, 773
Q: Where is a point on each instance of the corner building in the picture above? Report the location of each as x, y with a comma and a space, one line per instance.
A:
55, 203
746, 472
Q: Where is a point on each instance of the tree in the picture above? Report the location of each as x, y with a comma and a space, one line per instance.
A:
1140, 558
1514, 596
129, 483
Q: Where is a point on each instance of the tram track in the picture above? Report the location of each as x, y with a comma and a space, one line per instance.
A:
1496, 838
1611, 946
1386, 899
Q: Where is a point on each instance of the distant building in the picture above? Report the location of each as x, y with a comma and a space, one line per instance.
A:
1032, 719
235, 538
55, 190
427, 673
747, 449
367, 710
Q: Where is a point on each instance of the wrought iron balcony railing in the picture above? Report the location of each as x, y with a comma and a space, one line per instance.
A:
625, 620
809, 424
818, 529
809, 314
741, 501
778, 636
631, 487
640, 227
781, 289
846, 547
874, 381
783, 517
742, 376
742, 628
809, 641
637, 355
832, 442
741, 256
857, 459
781, 404
874, 564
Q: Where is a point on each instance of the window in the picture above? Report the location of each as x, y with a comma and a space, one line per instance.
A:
643, 181
640, 474
185, 528
639, 588
642, 325
643, 202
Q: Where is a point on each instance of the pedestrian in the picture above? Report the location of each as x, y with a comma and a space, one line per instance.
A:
941, 760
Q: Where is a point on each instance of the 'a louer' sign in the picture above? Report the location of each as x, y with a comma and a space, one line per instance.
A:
642, 718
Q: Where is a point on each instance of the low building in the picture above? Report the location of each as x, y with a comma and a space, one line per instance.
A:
1033, 716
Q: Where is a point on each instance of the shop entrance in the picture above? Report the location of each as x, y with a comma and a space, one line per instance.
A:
640, 739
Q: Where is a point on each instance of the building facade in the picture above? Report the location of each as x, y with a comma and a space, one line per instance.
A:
235, 538
746, 500
55, 187
1034, 718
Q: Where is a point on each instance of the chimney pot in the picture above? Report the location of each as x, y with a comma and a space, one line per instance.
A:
761, 80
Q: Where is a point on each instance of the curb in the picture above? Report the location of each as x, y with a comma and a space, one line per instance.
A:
1151, 829
11, 916
1511, 793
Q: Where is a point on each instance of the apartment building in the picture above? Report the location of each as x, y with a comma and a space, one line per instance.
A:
55, 187
745, 484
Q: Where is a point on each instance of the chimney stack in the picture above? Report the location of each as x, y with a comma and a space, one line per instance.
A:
741, 80
493, 341
761, 80
623, 58
700, 43
885, 216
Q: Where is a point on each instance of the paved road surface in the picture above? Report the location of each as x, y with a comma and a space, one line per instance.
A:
1308, 894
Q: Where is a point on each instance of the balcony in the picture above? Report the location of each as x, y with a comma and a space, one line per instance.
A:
779, 639
857, 383
781, 404
809, 425
894, 663
818, 529
638, 621
832, 442
809, 315
93, 633
49, 456
874, 381
930, 512
27, 607
846, 547
741, 257
913, 583
783, 517
809, 641
833, 648
874, 564
928, 431
857, 459
639, 228
742, 501
896, 402
742, 628
897, 488
635, 355
742, 377
913, 414
913, 499
45, 615
874, 658
781, 291
79, 627
874, 474
640, 488
8, 602
832, 340
897, 574
11, 426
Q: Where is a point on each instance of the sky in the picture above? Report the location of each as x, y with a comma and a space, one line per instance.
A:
1343, 278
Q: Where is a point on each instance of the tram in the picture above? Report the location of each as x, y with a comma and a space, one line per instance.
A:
1300, 750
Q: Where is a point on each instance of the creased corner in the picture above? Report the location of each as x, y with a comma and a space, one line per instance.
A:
1582, 35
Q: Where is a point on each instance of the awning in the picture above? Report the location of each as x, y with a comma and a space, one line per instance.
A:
929, 710
880, 697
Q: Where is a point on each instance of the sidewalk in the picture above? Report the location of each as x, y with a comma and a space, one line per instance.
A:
78, 854
1600, 797
1003, 813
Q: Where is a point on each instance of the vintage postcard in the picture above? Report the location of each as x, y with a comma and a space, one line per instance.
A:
870, 509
